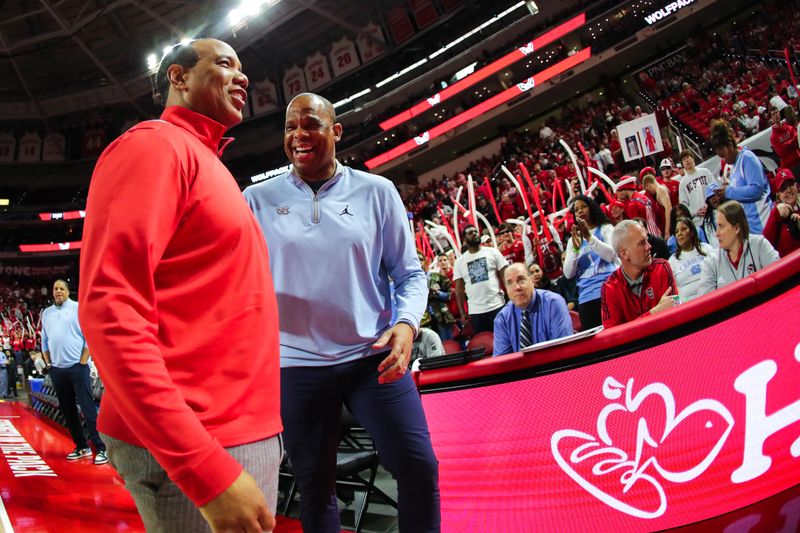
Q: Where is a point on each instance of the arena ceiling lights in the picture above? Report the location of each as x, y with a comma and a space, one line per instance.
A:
237, 18
490, 69
483, 107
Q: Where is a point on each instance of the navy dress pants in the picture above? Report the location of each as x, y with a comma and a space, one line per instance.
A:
311, 406
73, 387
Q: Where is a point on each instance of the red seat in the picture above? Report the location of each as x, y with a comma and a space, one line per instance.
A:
576, 321
485, 340
451, 346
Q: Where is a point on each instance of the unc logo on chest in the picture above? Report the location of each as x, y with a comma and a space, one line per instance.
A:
283, 210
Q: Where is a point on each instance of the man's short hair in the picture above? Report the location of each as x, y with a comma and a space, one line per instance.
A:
620, 233
329, 109
467, 228
503, 228
183, 54
648, 179
685, 153
61, 281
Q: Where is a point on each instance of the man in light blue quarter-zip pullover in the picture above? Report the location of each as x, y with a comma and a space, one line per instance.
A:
67, 356
335, 237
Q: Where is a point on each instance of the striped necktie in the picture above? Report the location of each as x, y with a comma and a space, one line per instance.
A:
525, 330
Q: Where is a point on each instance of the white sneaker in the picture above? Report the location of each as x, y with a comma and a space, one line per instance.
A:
79, 453
101, 458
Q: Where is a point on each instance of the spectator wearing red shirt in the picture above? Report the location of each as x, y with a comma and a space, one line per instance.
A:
784, 141
783, 225
642, 285
190, 412
511, 248
670, 178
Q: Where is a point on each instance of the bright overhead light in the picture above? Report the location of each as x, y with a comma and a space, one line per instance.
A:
351, 98
476, 30
235, 17
398, 74
186, 41
166, 50
4, 201
152, 62
250, 8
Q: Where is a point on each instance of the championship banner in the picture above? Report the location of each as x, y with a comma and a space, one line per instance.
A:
399, 24
450, 5
689, 429
640, 137
317, 71
264, 97
8, 146
294, 83
344, 57
424, 12
54, 147
367, 49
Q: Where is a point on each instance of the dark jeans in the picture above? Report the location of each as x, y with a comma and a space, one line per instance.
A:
590, 314
484, 321
311, 406
73, 387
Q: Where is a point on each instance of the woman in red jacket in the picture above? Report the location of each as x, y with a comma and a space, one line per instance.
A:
782, 229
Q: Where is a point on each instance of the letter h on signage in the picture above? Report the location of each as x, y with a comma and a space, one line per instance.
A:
758, 425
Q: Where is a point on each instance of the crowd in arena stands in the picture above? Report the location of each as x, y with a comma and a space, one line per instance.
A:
638, 244
727, 76
20, 309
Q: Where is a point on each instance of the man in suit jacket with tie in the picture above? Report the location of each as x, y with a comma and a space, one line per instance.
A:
530, 316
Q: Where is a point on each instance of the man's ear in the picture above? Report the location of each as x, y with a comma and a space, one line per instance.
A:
177, 76
337, 132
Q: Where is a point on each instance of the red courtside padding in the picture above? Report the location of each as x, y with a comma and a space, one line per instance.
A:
42, 492
680, 418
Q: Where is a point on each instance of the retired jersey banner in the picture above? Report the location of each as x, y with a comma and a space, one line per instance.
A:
294, 83
684, 431
368, 48
264, 97
317, 71
344, 57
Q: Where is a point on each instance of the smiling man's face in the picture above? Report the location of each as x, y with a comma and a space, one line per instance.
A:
310, 136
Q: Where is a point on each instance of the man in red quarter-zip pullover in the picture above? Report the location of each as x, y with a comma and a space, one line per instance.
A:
178, 306
642, 285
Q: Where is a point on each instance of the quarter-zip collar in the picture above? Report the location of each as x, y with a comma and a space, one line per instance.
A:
209, 131
301, 184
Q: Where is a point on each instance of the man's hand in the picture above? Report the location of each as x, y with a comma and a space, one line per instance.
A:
702, 211
665, 303
241, 508
784, 210
400, 338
